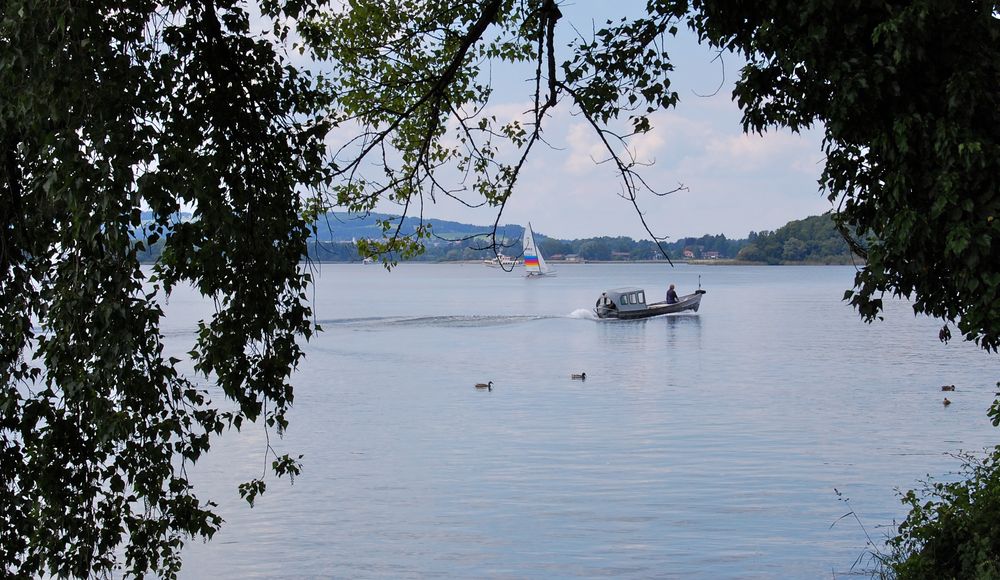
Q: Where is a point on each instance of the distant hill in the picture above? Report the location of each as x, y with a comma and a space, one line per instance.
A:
344, 227
337, 231
811, 240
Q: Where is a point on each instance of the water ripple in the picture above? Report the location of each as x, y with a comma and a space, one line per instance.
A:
699, 446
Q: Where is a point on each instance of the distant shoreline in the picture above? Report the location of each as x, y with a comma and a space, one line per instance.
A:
714, 262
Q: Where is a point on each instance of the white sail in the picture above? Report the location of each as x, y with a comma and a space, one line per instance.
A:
534, 263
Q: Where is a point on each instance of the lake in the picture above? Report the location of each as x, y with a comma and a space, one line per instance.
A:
701, 445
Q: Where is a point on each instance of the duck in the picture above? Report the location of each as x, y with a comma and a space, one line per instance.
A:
946, 402
488, 386
947, 387
579, 377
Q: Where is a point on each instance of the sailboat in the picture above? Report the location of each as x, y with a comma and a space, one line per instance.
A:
534, 263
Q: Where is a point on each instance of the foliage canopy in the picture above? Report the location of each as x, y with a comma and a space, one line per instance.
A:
816, 239
108, 108
907, 93
950, 530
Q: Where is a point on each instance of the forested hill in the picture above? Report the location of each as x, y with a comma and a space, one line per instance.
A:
337, 232
811, 240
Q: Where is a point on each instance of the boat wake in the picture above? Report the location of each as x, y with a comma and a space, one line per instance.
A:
430, 321
454, 321
583, 314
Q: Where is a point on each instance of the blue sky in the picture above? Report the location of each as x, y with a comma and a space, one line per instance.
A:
736, 183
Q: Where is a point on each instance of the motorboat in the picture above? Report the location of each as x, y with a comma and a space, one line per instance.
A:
630, 304
502, 261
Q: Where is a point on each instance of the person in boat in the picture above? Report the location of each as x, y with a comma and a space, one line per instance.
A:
671, 295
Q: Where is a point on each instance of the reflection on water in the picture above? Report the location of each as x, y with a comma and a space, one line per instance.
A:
700, 445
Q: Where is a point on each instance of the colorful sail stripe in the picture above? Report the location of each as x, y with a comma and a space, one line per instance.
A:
530, 261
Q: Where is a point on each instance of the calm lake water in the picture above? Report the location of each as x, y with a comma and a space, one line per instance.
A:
700, 446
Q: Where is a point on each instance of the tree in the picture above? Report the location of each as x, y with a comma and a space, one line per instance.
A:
751, 253
552, 246
411, 77
814, 239
106, 109
793, 250
950, 531
595, 249
113, 106
907, 93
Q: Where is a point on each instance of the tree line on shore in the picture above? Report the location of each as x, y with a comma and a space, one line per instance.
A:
814, 239
811, 240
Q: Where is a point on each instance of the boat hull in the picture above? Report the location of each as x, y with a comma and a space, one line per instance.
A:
506, 263
690, 302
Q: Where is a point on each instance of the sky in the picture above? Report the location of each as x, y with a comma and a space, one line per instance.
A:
736, 183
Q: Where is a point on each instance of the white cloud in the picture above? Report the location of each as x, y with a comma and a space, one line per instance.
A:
751, 153
584, 149
737, 183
